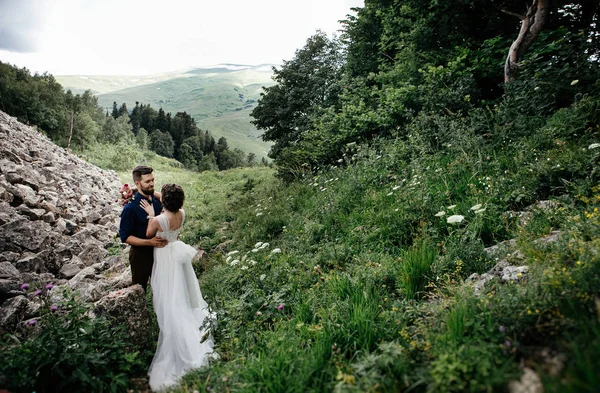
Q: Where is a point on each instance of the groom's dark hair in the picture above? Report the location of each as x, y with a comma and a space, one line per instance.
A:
172, 197
141, 170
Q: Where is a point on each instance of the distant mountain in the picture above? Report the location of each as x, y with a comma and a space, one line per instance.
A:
220, 98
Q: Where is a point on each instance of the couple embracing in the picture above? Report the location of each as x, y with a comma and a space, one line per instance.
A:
150, 224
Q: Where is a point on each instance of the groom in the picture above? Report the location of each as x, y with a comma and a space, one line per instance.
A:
134, 221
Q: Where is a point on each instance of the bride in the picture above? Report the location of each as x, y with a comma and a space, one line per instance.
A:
180, 309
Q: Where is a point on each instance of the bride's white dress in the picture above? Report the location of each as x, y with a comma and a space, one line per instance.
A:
180, 309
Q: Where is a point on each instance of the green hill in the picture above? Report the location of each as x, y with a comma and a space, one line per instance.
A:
220, 98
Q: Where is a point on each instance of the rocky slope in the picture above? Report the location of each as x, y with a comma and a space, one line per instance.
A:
58, 217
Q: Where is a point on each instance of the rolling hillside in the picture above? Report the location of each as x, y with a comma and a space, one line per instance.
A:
220, 98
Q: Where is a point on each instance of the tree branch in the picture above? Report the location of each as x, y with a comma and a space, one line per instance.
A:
520, 16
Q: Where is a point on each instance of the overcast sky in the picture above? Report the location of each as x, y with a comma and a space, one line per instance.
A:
138, 37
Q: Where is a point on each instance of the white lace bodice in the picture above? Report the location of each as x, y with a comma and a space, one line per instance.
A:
165, 231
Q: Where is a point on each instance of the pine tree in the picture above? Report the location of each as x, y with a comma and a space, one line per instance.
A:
115, 111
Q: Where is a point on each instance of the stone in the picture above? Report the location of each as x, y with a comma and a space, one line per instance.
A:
122, 280
12, 311
106, 219
7, 270
25, 194
33, 214
554, 236
9, 256
49, 207
530, 382
5, 218
92, 254
10, 288
49, 217
87, 273
92, 216
25, 234
128, 306
69, 270
23, 174
5, 195
31, 264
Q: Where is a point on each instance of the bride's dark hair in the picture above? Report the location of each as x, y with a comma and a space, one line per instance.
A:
172, 197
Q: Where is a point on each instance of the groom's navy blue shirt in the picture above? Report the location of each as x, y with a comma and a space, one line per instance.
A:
134, 219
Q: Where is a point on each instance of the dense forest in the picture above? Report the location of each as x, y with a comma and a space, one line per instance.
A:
76, 121
502, 67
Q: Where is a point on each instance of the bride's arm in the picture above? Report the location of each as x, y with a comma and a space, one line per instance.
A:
152, 228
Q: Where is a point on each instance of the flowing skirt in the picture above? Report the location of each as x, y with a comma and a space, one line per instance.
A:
182, 315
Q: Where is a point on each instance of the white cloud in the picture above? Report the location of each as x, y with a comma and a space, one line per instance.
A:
144, 37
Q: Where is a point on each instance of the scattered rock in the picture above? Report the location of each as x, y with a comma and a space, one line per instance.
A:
25, 234
128, 306
92, 254
12, 311
530, 383
7, 270
69, 270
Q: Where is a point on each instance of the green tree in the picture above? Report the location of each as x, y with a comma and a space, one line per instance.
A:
305, 84
162, 143
161, 120
115, 110
116, 130
142, 139
123, 110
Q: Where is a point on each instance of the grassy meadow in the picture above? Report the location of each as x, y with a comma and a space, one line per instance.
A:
355, 279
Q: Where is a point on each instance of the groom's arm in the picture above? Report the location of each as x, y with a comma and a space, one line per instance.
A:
154, 242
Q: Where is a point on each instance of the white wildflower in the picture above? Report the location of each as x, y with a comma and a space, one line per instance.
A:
594, 146
451, 207
232, 252
395, 188
265, 245
235, 262
259, 214
576, 81
244, 267
253, 262
479, 211
258, 244
262, 277
228, 259
455, 219
276, 251
341, 160
255, 250
476, 207
391, 193
440, 214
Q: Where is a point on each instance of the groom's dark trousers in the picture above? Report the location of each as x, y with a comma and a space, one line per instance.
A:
141, 260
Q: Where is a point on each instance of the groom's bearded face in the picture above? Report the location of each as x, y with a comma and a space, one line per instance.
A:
146, 184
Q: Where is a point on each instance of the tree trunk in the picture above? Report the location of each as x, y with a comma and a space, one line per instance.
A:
531, 25
71, 130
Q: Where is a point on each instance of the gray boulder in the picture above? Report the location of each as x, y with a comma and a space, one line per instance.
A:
128, 306
12, 311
